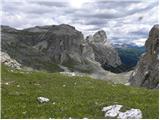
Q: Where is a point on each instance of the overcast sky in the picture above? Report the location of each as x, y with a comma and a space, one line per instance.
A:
123, 20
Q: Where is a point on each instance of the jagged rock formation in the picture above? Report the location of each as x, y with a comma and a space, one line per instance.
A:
7, 60
44, 48
104, 53
146, 73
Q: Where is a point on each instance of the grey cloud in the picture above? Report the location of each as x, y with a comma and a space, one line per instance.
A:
50, 4
139, 33
110, 15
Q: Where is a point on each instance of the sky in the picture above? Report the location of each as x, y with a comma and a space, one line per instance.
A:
126, 21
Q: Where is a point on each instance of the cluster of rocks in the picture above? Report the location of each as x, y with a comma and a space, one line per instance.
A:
7, 60
114, 111
146, 73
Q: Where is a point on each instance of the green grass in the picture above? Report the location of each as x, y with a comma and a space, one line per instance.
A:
81, 97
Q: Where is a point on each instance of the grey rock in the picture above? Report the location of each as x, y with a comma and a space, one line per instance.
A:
130, 114
87, 51
45, 47
146, 73
114, 111
7, 60
103, 51
100, 37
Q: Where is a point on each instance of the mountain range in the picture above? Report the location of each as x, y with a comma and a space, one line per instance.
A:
57, 48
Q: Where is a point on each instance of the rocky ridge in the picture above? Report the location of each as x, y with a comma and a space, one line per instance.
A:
47, 47
146, 73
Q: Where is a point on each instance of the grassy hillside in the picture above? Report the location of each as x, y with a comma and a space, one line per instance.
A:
76, 97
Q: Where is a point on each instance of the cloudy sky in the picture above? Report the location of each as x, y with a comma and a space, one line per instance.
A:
123, 20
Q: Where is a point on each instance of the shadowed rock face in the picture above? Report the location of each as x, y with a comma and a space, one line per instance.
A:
52, 40
146, 73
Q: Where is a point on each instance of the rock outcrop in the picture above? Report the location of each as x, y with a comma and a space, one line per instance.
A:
49, 47
146, 73
44, 48
7, 60
104, 53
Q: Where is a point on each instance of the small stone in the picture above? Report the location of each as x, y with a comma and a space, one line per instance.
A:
43, 99
54, 103
37, 84
18, 85
96, 103
24, 112
64, 85
6, 83
51, 118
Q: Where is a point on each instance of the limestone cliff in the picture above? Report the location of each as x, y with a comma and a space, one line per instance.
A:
47, 47
104, 53
146, 73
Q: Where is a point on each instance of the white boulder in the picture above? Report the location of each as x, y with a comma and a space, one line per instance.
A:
43, 99
113, 111
131, 114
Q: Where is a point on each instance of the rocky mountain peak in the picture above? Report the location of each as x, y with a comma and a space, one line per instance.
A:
146, 73
65, 29
8, 28
152, 42
104, 53
100, 36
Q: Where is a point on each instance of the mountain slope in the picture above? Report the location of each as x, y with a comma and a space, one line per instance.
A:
130, 56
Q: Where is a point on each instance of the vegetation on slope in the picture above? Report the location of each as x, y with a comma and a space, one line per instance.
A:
130, 56
75, 97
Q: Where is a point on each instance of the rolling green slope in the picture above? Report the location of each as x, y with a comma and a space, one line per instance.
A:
75, 97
